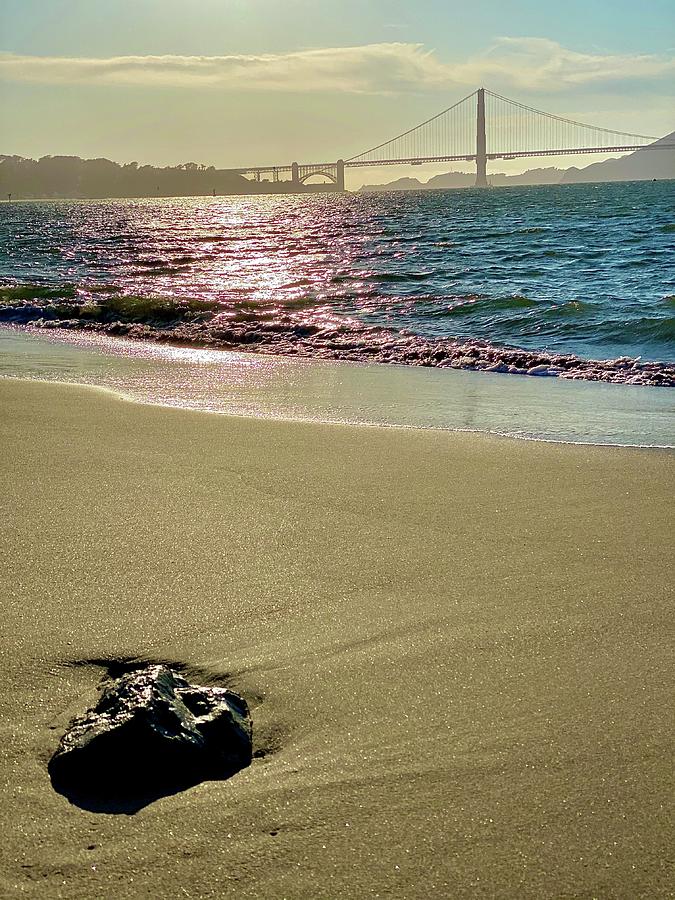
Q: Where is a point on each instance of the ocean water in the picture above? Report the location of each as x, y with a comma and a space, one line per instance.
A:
581, 269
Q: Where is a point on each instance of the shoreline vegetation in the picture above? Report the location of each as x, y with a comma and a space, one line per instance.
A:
454, 648
252, 328
73, 178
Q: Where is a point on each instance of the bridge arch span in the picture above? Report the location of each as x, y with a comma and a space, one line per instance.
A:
329, 175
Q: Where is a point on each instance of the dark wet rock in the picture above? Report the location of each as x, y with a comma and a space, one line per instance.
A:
150, 734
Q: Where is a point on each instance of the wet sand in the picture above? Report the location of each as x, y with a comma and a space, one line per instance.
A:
456, 649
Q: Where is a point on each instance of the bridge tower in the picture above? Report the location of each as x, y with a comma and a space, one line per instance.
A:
481, 145
295, 175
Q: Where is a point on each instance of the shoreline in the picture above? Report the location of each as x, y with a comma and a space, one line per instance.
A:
120, 395
344, 392
455, 649
348, 341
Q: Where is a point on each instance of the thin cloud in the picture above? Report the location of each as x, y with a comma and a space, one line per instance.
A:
367, 69
541, 64
527, 63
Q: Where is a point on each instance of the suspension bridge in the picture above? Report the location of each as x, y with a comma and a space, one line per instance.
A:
478, 128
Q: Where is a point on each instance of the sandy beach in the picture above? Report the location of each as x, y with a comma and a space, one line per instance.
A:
456, 649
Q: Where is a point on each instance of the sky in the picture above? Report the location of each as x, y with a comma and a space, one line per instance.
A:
244, 82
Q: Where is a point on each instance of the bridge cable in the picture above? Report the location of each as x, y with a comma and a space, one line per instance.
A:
410, 130
541, 112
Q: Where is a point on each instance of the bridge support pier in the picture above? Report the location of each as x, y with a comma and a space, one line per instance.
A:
340, 174
295, 175
481, 146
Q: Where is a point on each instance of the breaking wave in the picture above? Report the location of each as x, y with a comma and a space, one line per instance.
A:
299, 329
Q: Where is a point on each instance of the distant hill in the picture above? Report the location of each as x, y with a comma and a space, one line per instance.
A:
467, 179
549, 175
642, 165
401, 184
